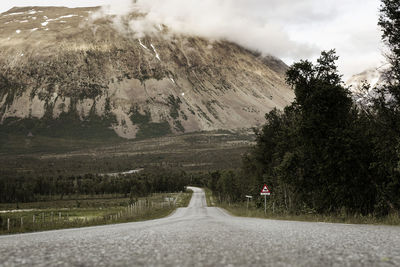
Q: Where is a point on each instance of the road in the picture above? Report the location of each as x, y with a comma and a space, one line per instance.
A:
205, 236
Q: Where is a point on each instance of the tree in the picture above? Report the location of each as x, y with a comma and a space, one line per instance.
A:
323, 153
326, 134
389, 21
386, 117
314, 154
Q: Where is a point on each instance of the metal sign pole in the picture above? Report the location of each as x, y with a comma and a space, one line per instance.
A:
265, 204
265, 192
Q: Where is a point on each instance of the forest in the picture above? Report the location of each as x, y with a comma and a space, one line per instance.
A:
324, 153
30, 188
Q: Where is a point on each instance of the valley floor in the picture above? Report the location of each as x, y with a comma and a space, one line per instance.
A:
190, 152
80, 211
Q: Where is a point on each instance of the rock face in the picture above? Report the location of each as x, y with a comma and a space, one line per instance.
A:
60, 63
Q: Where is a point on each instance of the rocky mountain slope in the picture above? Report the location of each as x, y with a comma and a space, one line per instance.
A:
361, 94
62, 71
372, 76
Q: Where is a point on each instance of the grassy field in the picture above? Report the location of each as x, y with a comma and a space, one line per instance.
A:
241, 210
80, 212
190, 152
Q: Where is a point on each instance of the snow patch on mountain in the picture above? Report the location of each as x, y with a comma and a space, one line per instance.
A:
372, 76
142, 45
67, 16
363, 85
14, 14
155, 51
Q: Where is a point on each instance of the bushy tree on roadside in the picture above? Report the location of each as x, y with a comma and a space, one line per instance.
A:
315, 155
323, 153
385, 115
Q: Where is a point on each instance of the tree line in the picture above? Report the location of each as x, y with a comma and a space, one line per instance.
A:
324, 153
30, 188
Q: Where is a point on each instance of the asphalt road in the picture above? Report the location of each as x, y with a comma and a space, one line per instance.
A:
205, 236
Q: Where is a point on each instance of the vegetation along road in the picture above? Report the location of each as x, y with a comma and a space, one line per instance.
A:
206, 236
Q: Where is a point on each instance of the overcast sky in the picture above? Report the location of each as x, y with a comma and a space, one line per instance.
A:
289, 29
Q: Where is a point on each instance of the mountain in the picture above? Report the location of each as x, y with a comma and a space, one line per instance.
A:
360, 93
65, 73
372, 76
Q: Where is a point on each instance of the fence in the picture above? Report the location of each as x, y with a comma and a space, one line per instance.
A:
40, 220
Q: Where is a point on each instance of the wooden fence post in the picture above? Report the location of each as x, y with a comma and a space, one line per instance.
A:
22, 222
8, 224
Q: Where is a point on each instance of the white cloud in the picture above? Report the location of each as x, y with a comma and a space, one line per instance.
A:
215, 19
288, 29
352, 30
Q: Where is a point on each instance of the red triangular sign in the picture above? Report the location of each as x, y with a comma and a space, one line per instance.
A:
265, 190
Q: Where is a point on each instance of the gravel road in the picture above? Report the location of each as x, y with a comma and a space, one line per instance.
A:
205, 236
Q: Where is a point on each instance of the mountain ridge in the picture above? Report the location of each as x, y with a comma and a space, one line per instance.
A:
59, 63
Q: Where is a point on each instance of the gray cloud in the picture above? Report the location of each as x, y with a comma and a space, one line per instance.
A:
215, 19
288, 29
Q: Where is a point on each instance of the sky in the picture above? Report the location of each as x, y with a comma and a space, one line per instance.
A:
289, 29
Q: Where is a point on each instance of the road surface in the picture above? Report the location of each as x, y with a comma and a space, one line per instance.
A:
206, 236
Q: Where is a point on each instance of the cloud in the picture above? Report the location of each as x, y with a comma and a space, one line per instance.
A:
352, 30
234, 21
288, 29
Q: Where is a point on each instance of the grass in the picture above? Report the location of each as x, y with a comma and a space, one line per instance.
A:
66, 133
184, 199
51, 215
70, 202
153, 129
241, 210
148, 129
209, 197
18, 144
190, 152
138, 118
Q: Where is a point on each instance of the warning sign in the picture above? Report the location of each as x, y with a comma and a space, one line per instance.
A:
265, 191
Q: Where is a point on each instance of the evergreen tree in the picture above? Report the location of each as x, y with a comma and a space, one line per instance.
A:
389, 21
315, 154
386, 116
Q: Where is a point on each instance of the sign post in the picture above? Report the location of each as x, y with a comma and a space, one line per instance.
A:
248, 199
265, 192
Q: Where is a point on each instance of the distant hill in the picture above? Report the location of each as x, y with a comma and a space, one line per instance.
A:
64, 74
